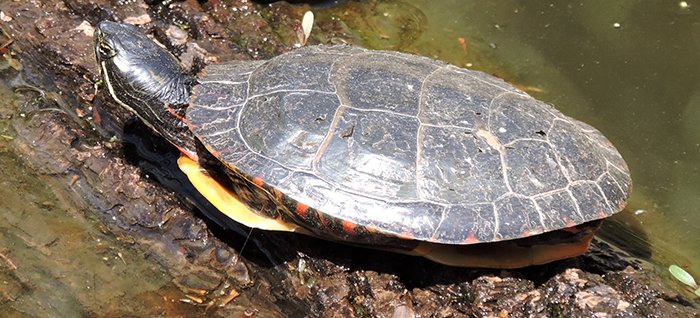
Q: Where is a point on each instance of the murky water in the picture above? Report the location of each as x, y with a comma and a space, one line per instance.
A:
629, 68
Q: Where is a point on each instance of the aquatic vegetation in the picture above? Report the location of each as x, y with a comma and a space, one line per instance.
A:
684, 277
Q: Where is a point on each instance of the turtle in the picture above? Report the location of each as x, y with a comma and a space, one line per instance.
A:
377, 149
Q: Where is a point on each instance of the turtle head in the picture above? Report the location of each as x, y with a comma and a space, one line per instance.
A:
147, 80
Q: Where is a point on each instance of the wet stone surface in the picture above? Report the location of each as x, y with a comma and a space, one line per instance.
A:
110, 229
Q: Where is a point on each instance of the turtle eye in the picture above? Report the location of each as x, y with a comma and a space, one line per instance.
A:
105, 50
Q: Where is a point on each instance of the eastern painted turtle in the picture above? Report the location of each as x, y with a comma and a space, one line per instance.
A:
379, 149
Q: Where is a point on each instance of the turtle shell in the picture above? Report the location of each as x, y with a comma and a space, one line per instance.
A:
379, 142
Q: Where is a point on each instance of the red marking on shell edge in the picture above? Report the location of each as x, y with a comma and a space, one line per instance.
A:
471, 239
529, 233
571, 229
622, 204
301, 210
405, 235
218, 153
349, 227
258, 181
191, 154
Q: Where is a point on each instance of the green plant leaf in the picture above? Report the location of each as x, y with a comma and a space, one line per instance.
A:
683, 276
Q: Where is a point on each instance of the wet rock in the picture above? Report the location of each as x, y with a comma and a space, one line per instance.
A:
646, 295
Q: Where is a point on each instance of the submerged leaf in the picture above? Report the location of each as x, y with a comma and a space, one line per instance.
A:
683, 276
